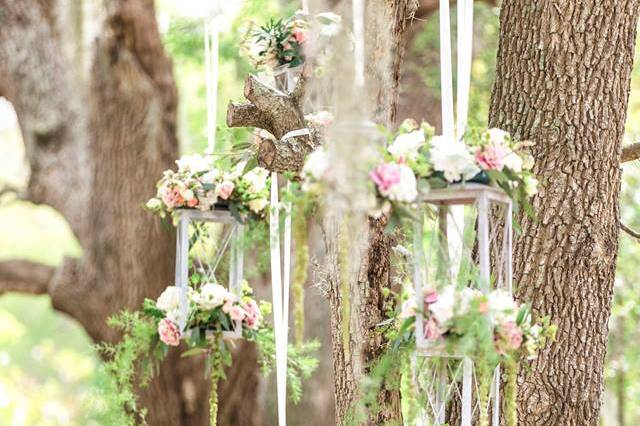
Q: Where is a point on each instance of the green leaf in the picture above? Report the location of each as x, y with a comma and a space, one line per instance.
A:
193, 352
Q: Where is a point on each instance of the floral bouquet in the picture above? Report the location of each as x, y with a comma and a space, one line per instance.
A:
212, 310
277, 43
281, 43
198, 184
416, 160
457, 319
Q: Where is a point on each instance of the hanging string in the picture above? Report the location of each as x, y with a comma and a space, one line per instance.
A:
305, 6
358, 33
211, 42
446, 78
465, 47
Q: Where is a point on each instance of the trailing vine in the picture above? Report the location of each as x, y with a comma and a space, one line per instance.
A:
343, 267
299, 273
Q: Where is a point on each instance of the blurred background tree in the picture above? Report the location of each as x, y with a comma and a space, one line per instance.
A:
49, 374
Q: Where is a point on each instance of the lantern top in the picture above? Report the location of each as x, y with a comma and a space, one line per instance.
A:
465, 193
220, 215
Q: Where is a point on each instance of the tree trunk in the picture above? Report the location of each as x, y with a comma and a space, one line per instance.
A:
95, 151
352, 242
563, 74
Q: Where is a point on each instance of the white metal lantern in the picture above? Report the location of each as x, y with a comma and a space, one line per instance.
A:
485, 240
200, 250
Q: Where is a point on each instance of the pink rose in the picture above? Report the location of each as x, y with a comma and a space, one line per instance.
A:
192, 202
511, 334
431, 330
169, 333
172, 198
491, 157
253, 314
300, 35
237, 313
385, 176
225, 189
226, 308
430, 296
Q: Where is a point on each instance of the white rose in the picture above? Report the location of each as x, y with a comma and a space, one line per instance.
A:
316, 164
406, 190
502, 306
154, 204
453, 158
498, 137
258, 204
465, 297
176, 316
407, 144
193, 163
188, 194
210, 177
211, 296
169, 299
514, 162
443, 308
257, 178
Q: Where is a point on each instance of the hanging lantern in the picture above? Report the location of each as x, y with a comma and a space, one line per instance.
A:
470, 233
200, 251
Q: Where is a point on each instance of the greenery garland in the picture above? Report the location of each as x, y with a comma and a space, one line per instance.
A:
511, 391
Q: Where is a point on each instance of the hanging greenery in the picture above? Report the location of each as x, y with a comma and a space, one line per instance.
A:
301, 263
148, 335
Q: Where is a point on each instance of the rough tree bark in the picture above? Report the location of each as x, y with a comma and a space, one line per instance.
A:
563, 74
95, 149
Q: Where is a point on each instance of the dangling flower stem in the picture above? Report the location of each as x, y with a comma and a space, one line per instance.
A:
216, 374
511, 391
484, 384
299, 274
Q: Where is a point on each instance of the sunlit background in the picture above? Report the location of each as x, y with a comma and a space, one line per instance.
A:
49, 374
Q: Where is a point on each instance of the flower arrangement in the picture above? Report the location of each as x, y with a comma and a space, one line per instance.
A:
451, 318
198, 184
416, 160
211, 309
281, 42
150, 333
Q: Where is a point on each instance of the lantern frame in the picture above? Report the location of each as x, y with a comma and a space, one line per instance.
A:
482, 197
187, 218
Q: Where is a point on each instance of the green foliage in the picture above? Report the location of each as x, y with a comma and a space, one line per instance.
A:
134, 359
300, 364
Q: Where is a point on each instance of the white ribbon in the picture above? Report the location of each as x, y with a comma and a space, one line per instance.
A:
358, 35
280, 292
211, 69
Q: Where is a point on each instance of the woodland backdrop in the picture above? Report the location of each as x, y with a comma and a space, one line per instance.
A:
97, 98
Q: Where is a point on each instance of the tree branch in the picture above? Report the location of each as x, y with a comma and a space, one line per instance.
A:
278, 113
630, 152
630, 231
23, 276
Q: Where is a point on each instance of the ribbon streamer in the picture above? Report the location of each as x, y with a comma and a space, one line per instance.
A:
211, 42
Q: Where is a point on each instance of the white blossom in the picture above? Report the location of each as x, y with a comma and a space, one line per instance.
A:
193, 164
258, 204
211, 296
257, 179
169, 299
154, 204
502, 306
443, 308
406, 190
320, 118
329, 23
407, 144
453, 158
498, 137
514, 162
